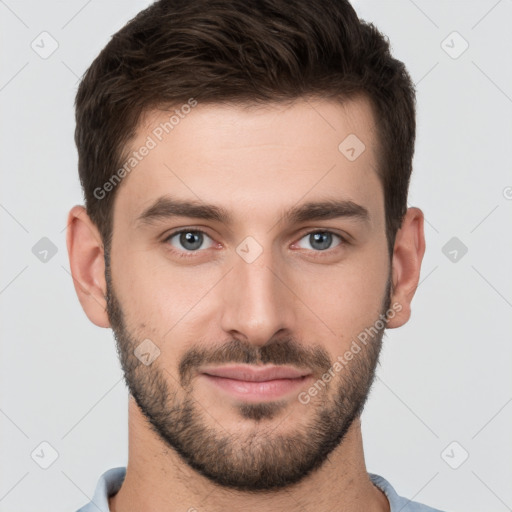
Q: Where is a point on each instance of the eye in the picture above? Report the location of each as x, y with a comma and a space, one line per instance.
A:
321, 240
188, 240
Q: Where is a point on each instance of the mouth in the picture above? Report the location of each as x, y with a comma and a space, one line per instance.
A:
257, 384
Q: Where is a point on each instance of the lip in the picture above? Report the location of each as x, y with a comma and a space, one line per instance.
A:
253, 374
256, 384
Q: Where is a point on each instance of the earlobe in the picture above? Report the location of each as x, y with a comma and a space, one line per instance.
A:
406, 265
87, 263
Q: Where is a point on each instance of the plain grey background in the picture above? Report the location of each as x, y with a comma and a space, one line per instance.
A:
444, 387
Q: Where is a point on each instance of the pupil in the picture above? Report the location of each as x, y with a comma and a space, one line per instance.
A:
317, 237
188, 238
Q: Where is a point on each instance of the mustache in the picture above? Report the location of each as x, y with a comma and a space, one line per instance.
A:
278, 352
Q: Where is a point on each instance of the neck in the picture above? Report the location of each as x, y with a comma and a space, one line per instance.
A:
158, 479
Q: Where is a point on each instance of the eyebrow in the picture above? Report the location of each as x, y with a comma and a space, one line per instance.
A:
167, 207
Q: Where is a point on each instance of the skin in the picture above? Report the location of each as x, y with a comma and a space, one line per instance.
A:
255, 162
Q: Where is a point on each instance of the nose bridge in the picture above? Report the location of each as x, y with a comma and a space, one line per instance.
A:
257, 303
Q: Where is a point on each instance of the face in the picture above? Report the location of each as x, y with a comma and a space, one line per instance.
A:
246, 240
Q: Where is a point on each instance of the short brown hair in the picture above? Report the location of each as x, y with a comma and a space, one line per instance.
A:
241, 51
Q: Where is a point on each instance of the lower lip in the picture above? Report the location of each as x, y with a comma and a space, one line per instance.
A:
258, 391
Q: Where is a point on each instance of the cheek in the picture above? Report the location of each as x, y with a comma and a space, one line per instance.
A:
158, 294
161, 298
348, 300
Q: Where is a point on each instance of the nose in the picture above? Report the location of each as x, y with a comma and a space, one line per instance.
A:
257, 301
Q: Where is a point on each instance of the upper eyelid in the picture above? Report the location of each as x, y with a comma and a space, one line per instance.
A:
185, 230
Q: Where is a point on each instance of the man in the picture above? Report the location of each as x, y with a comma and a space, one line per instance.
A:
246, 235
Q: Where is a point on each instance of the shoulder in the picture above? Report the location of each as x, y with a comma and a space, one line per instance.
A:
396, 502
108, 484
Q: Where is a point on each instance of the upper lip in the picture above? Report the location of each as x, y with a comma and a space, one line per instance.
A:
255, 374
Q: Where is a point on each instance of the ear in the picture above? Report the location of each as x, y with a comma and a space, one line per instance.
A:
86, 259
406, 265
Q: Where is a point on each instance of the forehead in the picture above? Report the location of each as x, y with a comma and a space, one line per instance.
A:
254, 161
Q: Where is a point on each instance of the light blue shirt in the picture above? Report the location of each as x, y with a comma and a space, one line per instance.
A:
110, 482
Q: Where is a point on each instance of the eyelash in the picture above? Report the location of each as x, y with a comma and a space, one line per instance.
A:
191, 254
